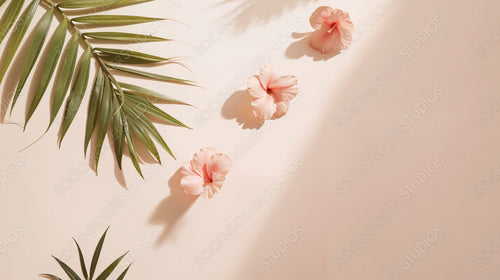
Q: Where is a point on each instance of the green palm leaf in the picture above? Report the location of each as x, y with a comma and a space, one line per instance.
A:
122, 276
149, 108
118, 133
151, 75
94, 108
105, 274
21, 28
130, 143
53, 277
149, 127
80, 4
55, 50
124, 37
128, 57
76, 95
33, 52
150, 95
104, 120
124, 109
9, 17
143, 136
70, 272
82, 260
97, 253
64, 82
114, 19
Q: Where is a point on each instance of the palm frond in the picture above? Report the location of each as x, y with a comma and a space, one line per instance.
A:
89, 274
126, 110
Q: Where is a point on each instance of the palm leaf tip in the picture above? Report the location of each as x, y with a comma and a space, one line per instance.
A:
122, 276
50, 276
97, 253
82, 260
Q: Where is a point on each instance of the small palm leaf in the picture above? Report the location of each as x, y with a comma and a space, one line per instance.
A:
124, 109
104, 274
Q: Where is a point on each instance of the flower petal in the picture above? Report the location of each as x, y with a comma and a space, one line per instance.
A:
325, 42
264, 107
219, 163
342, 19
283, 82
285, 88
320, 17
200, 160
268, 73
255, 87
281, 109
191, 182
345, 38
211, 189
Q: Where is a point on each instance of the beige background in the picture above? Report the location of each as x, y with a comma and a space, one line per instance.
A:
387, 165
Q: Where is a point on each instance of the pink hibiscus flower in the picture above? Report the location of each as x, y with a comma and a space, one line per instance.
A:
205, 173
333, 30
272, 92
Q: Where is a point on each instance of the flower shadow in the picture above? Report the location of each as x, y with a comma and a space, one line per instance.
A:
170, 210
238, 107
301, 48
